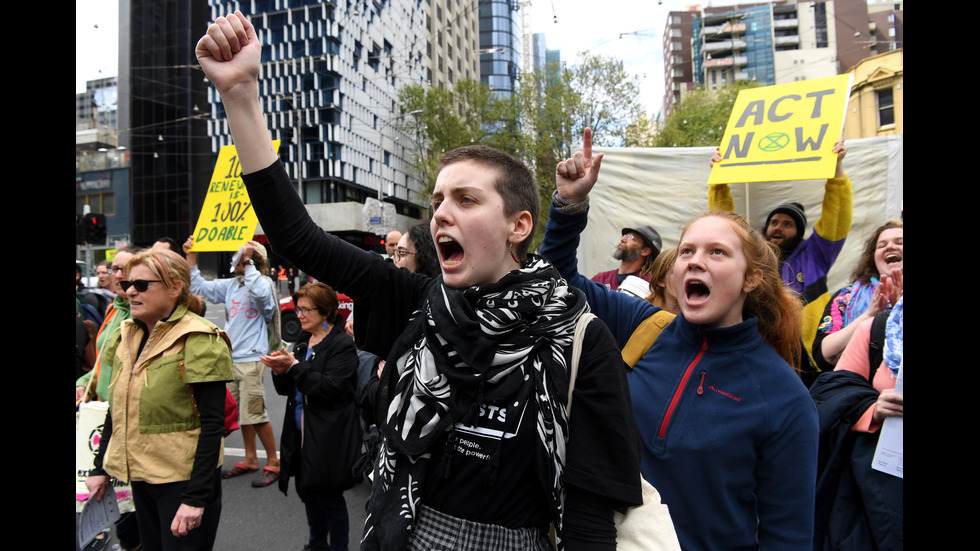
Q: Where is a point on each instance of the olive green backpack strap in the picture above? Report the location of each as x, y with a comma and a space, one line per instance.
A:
644, 336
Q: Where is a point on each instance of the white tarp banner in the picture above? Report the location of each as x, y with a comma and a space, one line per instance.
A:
666, 187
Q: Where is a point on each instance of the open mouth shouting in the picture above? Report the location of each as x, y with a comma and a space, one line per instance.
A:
450, 251
696, 292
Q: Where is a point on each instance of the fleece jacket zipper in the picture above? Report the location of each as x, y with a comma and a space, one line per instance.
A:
680, 387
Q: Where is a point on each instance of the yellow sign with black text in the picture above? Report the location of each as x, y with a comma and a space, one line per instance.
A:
784, 132
227, 220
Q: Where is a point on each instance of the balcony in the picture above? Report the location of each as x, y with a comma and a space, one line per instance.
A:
787, 41
785, 24
724, 30
736, 61
723, 46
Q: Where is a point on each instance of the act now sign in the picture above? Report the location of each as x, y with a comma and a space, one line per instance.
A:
784, 132
227, 220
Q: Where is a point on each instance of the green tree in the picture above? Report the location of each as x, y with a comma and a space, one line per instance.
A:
446, 119
539, 124
607, 99
641, 133
701, 117
557, 102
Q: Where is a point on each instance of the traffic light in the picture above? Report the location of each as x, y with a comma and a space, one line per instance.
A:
93, 228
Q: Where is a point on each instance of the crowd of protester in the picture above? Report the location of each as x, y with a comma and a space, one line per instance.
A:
721, 371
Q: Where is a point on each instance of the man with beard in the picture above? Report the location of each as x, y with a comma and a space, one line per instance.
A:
804, 263
636, 251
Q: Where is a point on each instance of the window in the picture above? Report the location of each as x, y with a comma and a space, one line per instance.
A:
104, 203
886, 107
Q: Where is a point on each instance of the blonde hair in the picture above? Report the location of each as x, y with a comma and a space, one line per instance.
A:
170, 268
662, 267
777, 308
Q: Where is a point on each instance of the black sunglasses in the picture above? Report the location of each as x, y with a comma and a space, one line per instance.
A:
140, 284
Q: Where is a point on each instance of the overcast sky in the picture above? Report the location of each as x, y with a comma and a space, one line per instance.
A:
629, 30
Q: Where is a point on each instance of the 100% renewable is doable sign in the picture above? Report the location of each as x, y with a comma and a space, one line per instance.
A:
227, 219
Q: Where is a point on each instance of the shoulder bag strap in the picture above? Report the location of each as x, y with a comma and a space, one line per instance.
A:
644, 336
583, 322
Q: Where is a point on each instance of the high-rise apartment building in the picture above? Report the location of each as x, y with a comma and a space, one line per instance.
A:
678, 61
773, 43
453, 42
866, 29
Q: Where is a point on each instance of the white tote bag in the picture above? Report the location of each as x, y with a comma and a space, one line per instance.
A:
88, 434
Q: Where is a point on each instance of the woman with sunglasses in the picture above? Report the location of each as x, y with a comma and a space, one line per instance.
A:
166, 419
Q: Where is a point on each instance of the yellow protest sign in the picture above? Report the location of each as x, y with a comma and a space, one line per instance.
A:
784, 132
227, 220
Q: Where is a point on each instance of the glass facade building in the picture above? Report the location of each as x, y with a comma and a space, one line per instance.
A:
329, 88
500, 44
162, 115
734, 46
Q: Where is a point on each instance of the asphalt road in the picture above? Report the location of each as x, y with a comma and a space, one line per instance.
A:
263, 518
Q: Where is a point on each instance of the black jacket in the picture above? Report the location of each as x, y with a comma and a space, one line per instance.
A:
857, 507
322, 456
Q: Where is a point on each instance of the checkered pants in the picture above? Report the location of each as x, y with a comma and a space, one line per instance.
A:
435, 531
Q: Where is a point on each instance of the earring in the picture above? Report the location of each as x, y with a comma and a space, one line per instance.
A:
510, 249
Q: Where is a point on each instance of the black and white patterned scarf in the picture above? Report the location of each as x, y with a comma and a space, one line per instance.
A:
490, 342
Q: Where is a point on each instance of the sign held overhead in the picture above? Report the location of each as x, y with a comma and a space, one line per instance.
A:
227, 219
784, 132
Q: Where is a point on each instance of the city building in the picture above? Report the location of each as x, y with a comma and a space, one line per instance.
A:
765, 43
162, 116
773, 43
865, 29
329, 86
96, 107
101, 165
678, 62
501, 44
453, 42
877, 105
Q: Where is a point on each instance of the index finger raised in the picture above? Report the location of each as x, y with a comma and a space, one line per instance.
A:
587, 143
